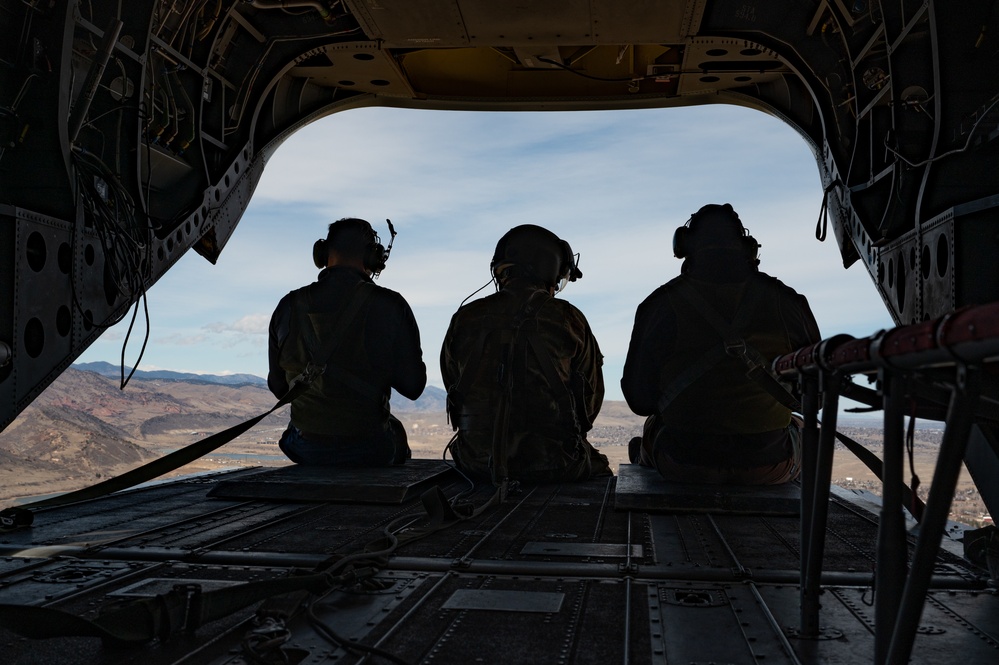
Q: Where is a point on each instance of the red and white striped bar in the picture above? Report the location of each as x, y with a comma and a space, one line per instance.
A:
969, 335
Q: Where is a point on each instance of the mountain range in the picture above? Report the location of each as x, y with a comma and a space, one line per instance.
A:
115, 372
83, 427
432, 399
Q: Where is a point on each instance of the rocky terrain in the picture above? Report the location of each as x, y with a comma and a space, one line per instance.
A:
83, 429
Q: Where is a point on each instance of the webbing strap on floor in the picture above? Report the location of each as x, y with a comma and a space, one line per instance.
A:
21, 516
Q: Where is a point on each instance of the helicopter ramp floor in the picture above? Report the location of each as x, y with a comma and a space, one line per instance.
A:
595, 572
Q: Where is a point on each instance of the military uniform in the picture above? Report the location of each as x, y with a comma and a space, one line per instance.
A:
344, 416
715, 424
523, 371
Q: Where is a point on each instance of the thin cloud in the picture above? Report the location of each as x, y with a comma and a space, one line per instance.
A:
178, 339
251, 324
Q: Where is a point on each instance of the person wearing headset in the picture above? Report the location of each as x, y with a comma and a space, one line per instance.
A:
523, 370
357, 341
698, 364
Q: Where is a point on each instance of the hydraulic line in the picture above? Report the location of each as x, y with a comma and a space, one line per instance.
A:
174, 124
323, 10
190, 126
210, 22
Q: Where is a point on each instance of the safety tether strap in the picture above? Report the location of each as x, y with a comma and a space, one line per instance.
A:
871, 461
733, 345
21, 516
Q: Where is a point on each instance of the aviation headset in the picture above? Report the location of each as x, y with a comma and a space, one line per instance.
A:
351, 232
684, 244
541, 252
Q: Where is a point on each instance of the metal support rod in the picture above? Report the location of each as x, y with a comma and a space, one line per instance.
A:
82, 106
892, 551
960, 418
627, 620
626, 660
812, 564
809, 602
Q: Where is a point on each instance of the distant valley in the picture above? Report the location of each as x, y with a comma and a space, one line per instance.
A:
83, 429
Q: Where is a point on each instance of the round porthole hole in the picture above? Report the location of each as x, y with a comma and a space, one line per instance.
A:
65, 258
64, 321
34, 338
36, 251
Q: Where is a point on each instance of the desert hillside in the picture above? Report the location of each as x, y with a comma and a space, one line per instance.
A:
83, 429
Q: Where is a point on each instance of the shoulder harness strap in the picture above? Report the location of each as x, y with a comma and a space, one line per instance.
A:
324, 350
733, 345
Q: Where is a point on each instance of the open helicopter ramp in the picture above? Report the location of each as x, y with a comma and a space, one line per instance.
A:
598, 572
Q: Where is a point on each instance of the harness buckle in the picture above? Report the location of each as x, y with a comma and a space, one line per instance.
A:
736, 348
15, 518
192, 606
308, 375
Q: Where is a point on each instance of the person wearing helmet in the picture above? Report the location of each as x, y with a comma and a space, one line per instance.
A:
698, 364
357, 341
523, 370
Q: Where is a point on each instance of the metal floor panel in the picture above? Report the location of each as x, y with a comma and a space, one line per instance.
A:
588, 625
701, 623
554, 574
956, 626
396, 484
85, 588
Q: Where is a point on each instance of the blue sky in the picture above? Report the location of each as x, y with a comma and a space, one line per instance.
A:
615, 185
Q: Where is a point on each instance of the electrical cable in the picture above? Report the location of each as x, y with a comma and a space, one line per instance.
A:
125, 243
589, 76
633, 79
454, 465
389, 532
350, 645
139, 110
128, 335
967, 143
492, 280
262, 645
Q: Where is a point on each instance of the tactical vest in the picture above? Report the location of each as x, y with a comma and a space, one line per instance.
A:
343, 400
512, 387
723, 399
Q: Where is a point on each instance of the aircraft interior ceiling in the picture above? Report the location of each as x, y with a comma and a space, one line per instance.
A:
132, 132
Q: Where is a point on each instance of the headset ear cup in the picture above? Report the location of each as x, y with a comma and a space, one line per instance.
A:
680, 242
320, 253
374, 259
751, 248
